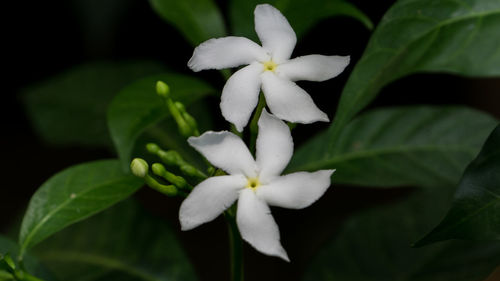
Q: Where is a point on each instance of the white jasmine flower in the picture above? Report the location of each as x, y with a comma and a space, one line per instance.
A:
269, 67
256, 184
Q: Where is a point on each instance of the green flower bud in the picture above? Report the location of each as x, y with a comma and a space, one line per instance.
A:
170, 157
169, 190
159, 170
192, 171
153, 148
211, 170
180, 106
184, 129
162, 89
191, 122
139, 167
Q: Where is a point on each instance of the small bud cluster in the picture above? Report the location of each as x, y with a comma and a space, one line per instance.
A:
186, 124
163, 180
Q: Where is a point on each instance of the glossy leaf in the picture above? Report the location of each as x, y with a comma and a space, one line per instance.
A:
70, 109
475, 212
405, 146
198, 20
302, 14
73, 195
138, 107
459, 37
375, 246
123, 243
31, 264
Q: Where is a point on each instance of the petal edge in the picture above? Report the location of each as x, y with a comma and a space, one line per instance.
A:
257, 225
209, 199
225, 52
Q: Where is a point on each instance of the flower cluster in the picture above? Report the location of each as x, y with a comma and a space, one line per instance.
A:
258, 183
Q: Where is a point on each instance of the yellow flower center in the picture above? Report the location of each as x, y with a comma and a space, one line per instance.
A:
270, 66
253, 184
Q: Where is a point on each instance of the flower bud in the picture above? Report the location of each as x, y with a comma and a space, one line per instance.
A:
153, 148
162, 89
170, 157
169, 190
180, 106
192, 171
159, 170
139, 167
191, 122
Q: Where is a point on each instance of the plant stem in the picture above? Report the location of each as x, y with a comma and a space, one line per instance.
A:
235, 245
254, 128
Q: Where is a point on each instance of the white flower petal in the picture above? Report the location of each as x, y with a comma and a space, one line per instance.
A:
209, 199
275, 33
241, 94
257, 226
274, 146
226, 52
288, 101
227, 151
297, 190
313, 67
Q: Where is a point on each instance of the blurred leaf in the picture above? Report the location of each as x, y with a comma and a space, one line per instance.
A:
99, 22
138, 107
31, 264
459, 37
123, 243
475, 212
374, 245
70, 108
302, 14
198, 20
404, 146
5, 275
73, 195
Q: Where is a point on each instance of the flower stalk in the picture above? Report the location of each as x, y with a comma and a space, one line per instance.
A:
235, 245
254, 128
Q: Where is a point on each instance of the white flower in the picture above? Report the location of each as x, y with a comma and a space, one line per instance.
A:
269, 67
255, 183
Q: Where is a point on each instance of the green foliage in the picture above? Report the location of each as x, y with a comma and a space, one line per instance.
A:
459, 37
73, 195
30, 263
475, 212
123, 243
374, 245
138, 107
404, 146
70, 109
198, 20
302, 14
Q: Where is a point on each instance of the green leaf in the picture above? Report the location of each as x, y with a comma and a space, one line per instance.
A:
475, 212
138, 107
403, 146
123, 243
73, 195
31, 264
374, 245
302, 14
6, 276
459, 37
198, 20
70, 108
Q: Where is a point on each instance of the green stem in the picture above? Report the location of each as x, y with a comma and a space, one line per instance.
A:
254, 124
235, 245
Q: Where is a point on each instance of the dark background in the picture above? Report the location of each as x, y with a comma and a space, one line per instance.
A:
44, 38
